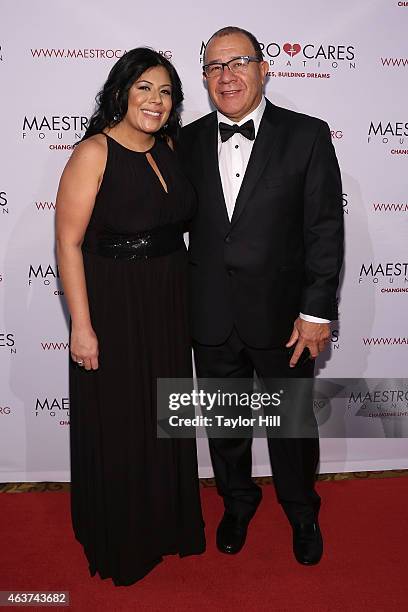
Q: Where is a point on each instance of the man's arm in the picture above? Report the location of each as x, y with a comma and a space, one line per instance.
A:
323, 240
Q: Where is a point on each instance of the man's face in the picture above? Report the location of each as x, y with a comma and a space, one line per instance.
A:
235, 95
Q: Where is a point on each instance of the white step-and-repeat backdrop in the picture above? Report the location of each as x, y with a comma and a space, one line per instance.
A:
345, 62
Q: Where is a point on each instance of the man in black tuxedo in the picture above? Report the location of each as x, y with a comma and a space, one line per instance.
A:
266, 248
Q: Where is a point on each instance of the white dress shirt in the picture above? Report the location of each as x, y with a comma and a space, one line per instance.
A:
233, 158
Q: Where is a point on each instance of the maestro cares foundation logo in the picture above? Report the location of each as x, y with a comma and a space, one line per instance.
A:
393, 135
54, 407
4, 202
59, 132
46, 275
292, 58
390, 276
346, 203
380, 402
7, 341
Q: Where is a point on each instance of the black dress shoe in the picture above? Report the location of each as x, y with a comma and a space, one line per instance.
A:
231, 534
307, 543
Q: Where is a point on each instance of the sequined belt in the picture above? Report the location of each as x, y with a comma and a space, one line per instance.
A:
143, 245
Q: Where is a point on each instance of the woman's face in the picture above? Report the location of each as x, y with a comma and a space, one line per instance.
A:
150, 102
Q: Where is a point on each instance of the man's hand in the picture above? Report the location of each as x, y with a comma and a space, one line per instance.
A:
306, 334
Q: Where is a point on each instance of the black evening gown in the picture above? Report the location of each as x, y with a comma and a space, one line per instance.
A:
134, 497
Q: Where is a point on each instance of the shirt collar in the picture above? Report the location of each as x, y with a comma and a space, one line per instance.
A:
256, 115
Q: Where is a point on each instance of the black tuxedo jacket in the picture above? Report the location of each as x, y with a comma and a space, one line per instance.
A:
282, 252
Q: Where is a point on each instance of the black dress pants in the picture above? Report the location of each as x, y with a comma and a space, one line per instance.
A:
293, 460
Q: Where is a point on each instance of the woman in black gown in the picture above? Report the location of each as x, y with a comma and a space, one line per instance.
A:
121, 207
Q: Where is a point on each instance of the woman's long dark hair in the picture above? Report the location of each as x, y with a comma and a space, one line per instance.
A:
112, 100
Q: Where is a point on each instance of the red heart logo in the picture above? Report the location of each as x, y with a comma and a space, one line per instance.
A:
291, 49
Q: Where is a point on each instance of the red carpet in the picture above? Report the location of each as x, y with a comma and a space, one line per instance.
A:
365, 524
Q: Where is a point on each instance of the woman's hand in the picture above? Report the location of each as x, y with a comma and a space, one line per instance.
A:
84, 348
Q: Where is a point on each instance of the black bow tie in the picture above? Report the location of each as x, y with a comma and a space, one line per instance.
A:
247, 130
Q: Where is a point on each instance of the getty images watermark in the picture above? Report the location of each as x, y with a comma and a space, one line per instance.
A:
224, 408
212, 401
283, 408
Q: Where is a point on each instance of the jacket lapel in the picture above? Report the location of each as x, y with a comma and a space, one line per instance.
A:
261, 151
210, 169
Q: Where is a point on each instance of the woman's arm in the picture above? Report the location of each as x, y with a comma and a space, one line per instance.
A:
77, 191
